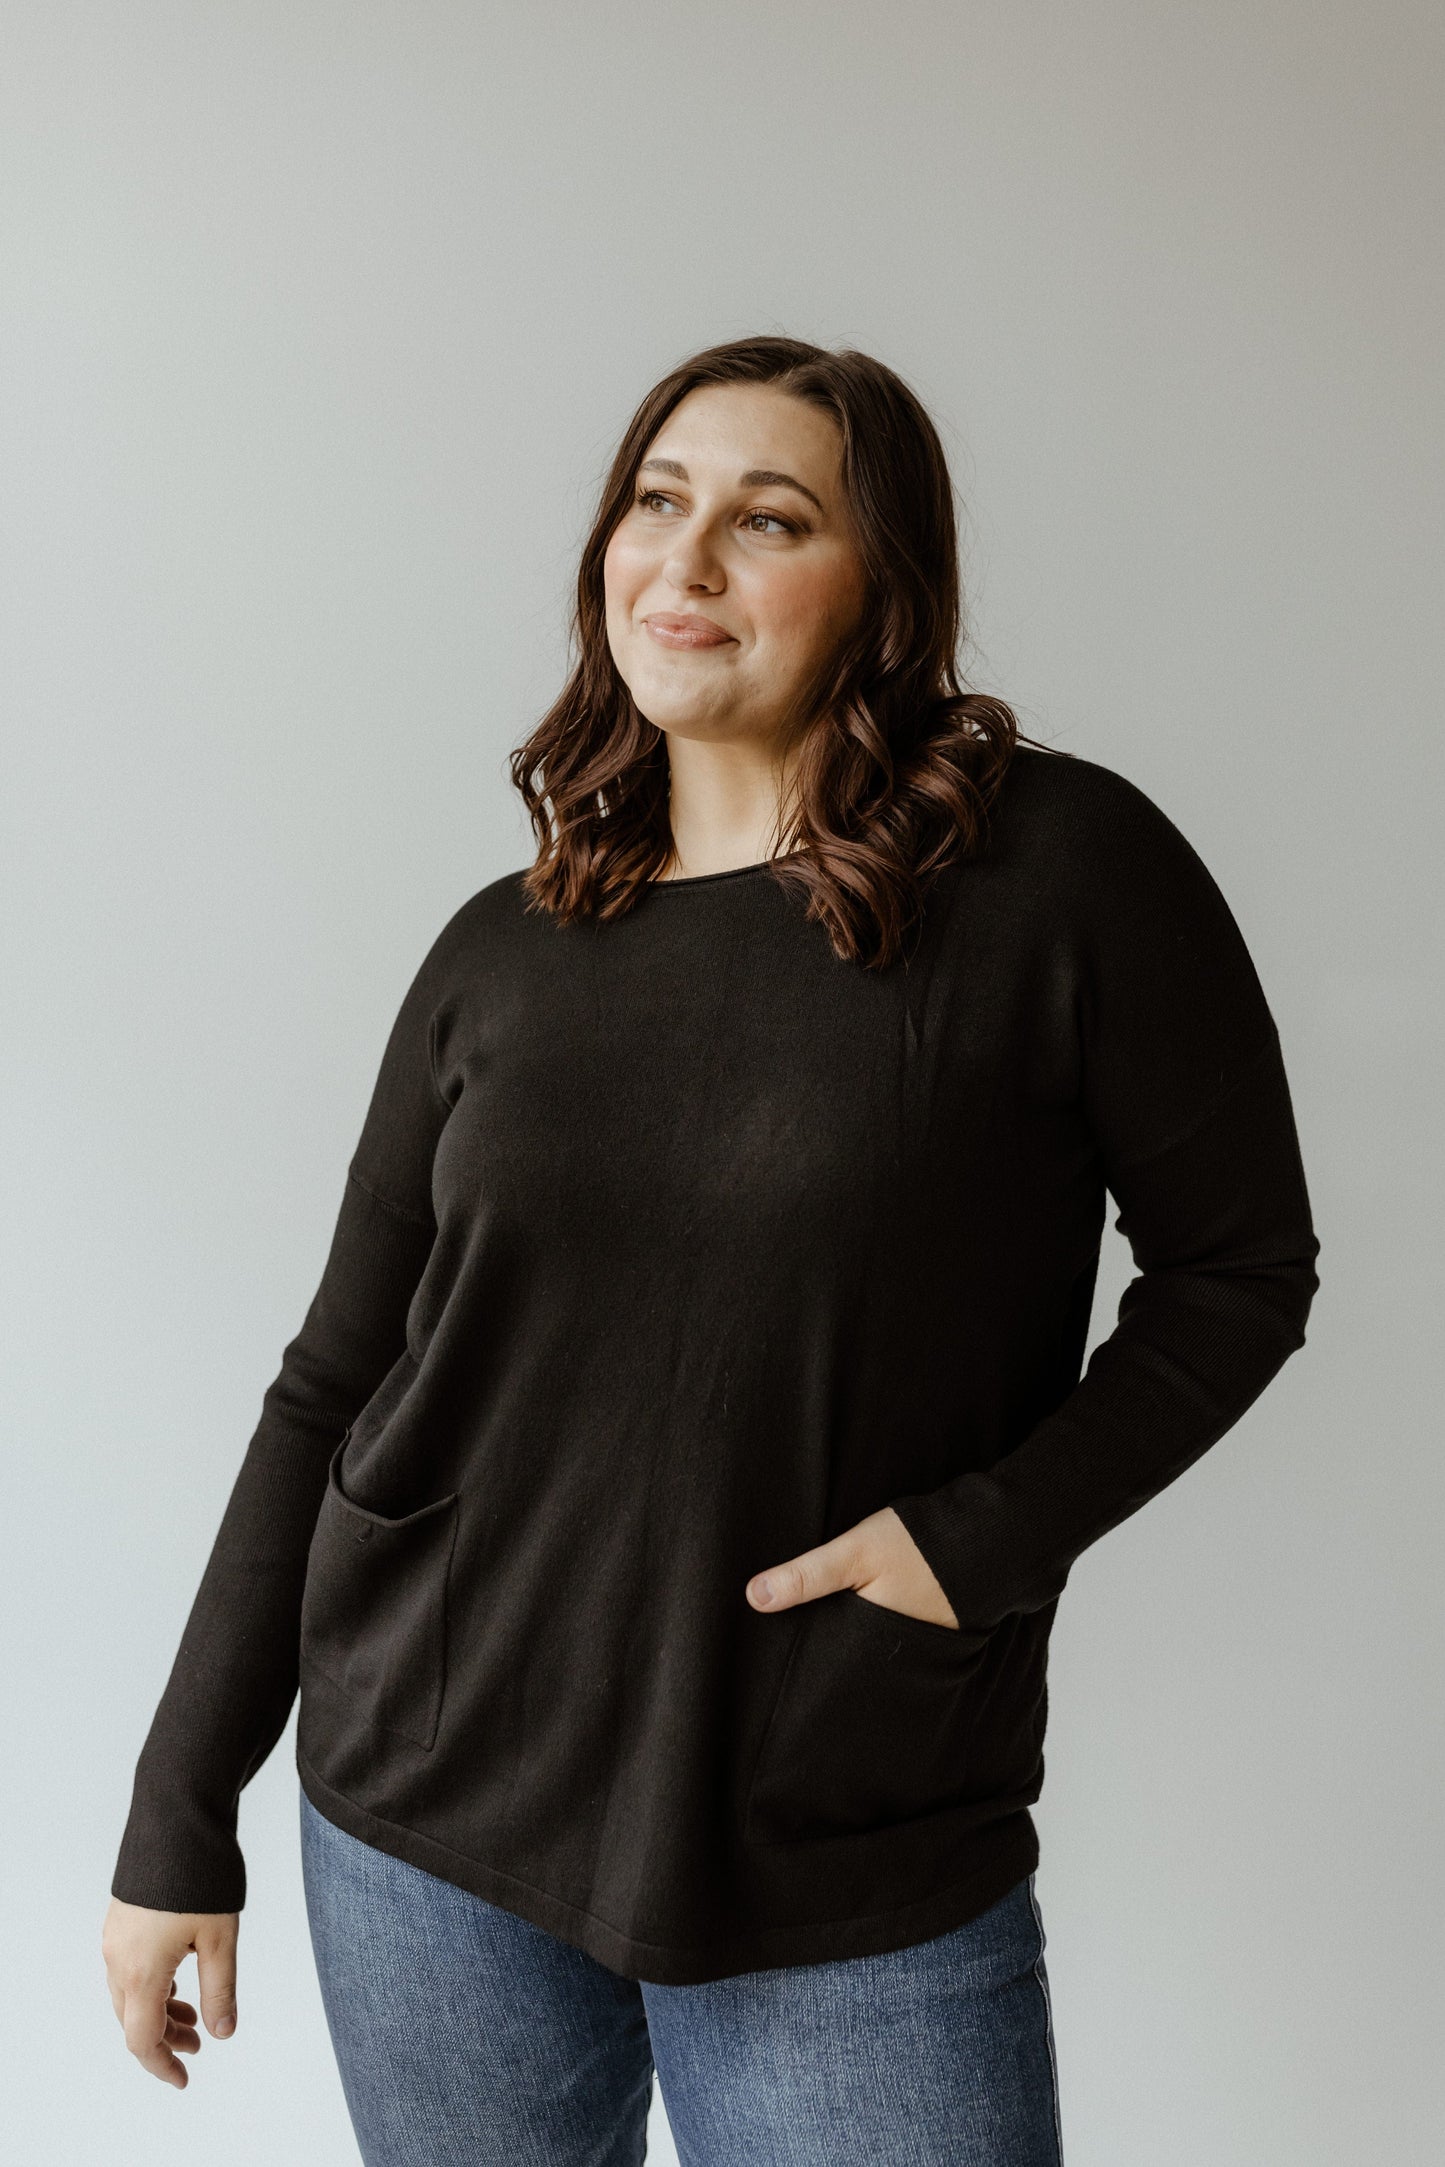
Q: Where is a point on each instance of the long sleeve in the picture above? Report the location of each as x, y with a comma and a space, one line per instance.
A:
1184, 1094
235, 1675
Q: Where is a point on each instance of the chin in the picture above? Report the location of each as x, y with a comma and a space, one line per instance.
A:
666, 704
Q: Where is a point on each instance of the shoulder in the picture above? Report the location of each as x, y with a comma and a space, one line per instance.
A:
481, 933
494, 913
1087, 832
1065, 793
1110, 878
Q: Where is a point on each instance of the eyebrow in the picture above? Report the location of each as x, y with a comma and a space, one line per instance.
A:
755, 478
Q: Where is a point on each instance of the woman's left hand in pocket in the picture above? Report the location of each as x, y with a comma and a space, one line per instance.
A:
877, 1558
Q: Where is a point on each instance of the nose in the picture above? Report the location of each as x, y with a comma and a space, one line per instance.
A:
692, 565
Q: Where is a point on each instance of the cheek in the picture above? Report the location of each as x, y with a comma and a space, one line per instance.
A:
626, 567
805, 608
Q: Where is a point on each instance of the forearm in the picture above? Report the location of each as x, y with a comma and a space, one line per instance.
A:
234, 1677
1220, 1222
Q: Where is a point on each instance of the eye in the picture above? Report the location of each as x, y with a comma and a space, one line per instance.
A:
646, 498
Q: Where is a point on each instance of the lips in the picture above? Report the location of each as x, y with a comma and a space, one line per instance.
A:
691, 631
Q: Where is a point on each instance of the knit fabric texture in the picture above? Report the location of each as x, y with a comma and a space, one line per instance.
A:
670, 1248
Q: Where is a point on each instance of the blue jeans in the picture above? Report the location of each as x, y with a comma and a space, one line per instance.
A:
466, 2035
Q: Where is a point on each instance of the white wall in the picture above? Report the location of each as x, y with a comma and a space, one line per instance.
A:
319, 324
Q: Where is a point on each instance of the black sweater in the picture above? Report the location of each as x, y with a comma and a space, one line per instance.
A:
671, 1248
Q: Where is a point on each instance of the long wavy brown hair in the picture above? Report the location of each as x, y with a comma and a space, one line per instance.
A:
900, 762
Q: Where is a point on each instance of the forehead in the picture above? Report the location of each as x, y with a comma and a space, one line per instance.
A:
738, 426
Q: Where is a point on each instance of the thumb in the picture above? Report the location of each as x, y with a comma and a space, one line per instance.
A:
803, 1578
215, 1946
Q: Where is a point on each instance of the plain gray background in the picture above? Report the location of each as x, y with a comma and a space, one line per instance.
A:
320, 324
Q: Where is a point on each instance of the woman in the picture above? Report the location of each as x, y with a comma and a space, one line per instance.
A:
665, 1502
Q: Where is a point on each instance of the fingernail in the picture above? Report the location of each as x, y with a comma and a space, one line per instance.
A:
762, 1589
225, 2026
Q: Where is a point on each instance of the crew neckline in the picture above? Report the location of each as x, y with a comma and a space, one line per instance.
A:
731, 872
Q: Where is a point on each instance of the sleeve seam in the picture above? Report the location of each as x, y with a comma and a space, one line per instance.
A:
1267, 1046
431, 1073
398, 1211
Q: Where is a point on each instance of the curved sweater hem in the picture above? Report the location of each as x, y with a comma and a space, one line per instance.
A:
1007, 1851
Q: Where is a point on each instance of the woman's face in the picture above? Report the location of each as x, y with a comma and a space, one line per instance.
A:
738, 527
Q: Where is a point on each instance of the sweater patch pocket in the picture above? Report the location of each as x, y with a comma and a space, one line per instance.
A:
374, 1612
871, 1725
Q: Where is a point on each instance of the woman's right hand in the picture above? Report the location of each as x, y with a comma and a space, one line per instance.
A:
143, 1950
